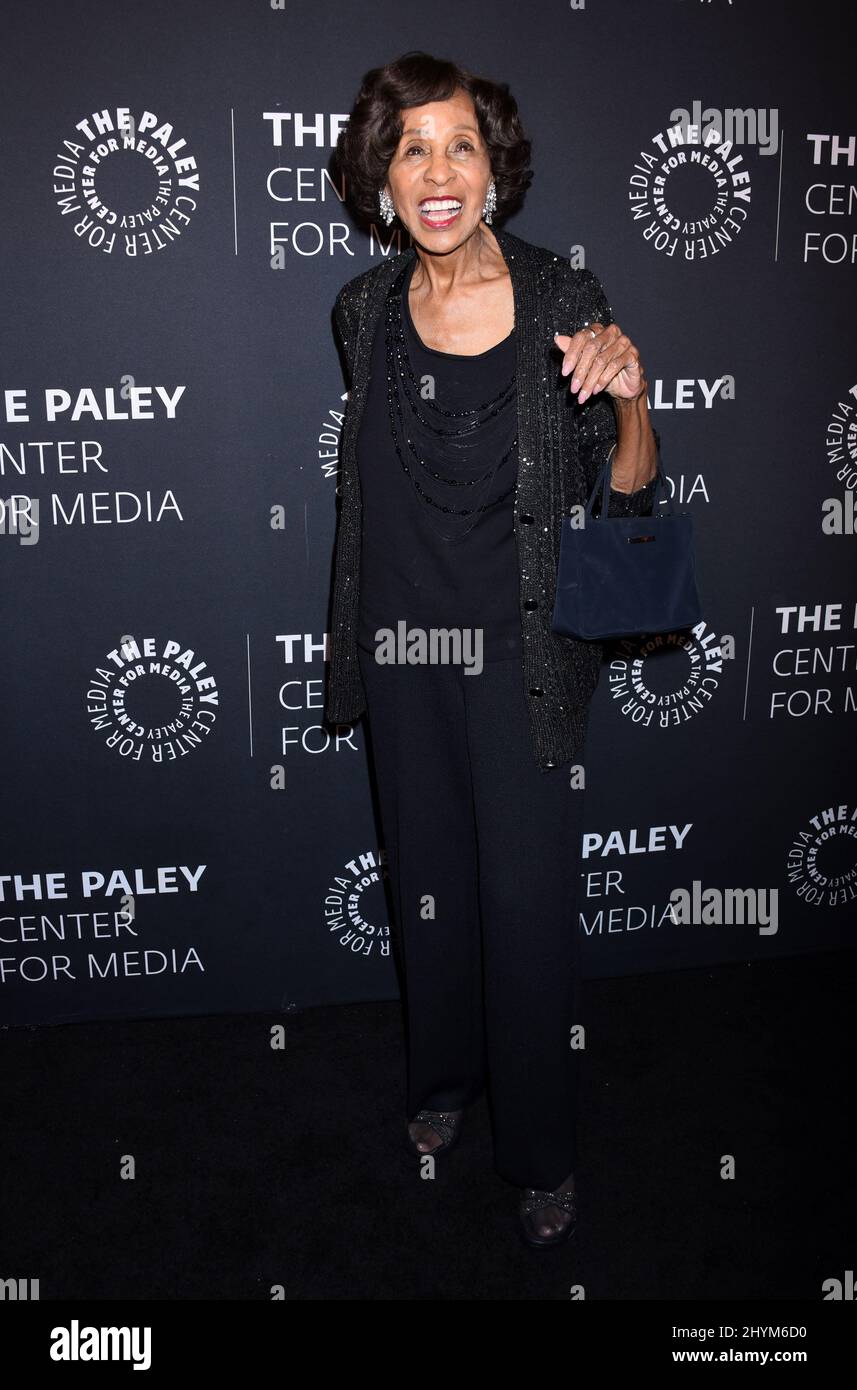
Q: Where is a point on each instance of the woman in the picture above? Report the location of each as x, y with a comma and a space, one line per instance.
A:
488, 385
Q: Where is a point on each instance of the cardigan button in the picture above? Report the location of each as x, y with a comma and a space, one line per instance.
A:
536, 690
530, 604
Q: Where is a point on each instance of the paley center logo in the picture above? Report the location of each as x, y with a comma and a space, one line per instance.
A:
689, 190
840, 439
822, 858
667, 678
127, 182
330, 439
154, 699
355, 908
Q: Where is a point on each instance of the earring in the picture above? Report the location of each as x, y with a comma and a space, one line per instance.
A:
385, 202
490, 205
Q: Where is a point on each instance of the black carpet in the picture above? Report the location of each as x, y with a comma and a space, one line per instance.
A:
258, 1167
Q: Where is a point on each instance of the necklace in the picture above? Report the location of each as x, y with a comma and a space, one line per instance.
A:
456, 437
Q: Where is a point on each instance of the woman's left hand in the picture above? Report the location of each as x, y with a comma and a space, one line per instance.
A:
601, 358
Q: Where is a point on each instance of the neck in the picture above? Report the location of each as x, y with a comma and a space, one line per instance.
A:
441, 273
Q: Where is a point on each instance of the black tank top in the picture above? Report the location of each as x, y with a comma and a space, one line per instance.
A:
408, 572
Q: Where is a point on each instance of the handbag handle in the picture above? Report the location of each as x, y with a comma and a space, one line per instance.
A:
604, 474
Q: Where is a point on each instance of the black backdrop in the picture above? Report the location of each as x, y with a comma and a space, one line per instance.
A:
185, 285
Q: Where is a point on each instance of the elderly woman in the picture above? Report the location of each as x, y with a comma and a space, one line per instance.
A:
488, 385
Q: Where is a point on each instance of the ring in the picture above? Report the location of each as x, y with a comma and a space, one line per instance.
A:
593, 333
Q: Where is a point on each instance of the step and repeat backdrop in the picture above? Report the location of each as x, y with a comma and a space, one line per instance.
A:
182, 833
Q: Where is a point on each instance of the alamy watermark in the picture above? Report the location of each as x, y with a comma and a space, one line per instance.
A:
84, 1343
19, 516
433, 646
759, 126
706, 907
18, 1290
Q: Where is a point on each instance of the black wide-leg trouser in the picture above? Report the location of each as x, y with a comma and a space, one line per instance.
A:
483, 849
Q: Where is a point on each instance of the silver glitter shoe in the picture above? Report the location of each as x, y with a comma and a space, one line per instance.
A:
533, 1200
444, 1123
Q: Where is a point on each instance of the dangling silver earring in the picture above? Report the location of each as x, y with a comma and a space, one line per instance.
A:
490, 204
388, 212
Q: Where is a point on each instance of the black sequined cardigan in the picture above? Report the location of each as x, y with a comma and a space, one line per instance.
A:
561, 448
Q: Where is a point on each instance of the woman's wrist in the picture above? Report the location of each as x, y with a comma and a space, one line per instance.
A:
635, 462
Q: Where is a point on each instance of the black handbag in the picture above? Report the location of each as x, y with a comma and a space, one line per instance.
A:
626, 575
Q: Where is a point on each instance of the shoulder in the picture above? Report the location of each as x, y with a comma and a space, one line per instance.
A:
530, 258
353, 293
346, 307
576, 290
536, 257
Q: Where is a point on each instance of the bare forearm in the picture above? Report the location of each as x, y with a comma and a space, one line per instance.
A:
636, 456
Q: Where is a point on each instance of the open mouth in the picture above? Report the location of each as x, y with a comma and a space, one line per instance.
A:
439, 212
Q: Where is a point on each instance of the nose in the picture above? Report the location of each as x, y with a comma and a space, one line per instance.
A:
439, 171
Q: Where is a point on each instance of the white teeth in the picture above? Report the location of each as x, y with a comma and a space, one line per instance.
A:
440, 205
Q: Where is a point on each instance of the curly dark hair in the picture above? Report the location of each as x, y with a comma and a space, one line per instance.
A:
367, 144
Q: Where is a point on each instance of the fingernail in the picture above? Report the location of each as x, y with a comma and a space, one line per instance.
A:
575, 384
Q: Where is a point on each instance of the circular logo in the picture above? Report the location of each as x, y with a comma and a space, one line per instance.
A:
330, 443
355, 907
822, 860
126, 184
152, 700
689, 192
665, 679
841, 440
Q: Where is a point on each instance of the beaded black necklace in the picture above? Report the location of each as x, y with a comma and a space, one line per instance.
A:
455, 438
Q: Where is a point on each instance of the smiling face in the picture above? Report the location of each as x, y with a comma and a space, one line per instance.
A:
440, 172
